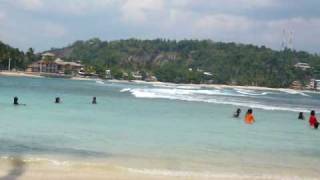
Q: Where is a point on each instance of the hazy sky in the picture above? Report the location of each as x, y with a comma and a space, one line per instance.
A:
43, 24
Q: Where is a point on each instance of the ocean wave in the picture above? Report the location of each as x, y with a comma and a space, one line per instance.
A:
99, 82
36, 160
291, 91
207, 96
193, 174
250, 92
125, 90
155, 92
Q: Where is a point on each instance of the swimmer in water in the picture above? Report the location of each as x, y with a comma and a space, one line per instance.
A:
313, 120
237, 113
16, 101
249, 118
94, 100
301, 116
57, 100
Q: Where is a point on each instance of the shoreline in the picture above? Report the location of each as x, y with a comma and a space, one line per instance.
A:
19, 74
216, 86
157, 83
36, 169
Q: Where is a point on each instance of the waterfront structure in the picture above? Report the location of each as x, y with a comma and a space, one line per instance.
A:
302, 66
50, 64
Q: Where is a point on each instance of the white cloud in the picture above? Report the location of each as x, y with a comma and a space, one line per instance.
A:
223, 22
75, 7
2, 16
138, 11
53, 30
30, 4
81, 7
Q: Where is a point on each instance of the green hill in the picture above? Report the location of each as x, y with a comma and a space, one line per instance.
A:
171, 61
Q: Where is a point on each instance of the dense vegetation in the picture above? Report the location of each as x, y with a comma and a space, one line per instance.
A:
181, 61
171, 61
19, 59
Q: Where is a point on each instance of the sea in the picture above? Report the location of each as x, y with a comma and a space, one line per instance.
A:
168, 130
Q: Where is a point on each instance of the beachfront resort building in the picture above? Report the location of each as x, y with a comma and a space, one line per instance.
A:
302, 66
50, 64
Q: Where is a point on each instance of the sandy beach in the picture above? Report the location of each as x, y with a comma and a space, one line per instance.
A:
16, 168
19, 74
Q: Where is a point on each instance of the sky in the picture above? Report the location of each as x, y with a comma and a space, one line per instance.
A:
43, 24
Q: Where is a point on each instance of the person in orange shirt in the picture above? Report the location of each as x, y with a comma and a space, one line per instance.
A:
249, 118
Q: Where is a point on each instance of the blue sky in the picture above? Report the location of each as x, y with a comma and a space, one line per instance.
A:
43, 24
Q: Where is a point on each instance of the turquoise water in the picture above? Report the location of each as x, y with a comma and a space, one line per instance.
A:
167, 128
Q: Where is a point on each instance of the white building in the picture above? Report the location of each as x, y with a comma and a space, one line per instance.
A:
302, 66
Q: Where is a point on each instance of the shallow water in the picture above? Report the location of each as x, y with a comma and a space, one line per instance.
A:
168, 130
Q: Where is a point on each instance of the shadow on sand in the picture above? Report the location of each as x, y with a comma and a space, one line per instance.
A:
17, 170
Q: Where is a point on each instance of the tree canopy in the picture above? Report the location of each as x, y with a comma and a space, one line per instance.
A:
172, 61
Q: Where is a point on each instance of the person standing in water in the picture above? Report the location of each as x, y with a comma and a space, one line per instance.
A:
313, 120
249, 118
301, 116
15, 101
237, 113
94, 100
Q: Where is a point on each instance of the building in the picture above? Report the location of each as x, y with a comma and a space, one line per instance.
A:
296, 85
108, 74
302, 66
50, 64
317, 84
314, 84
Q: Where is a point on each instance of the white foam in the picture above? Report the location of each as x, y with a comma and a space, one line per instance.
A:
192, 174
38, 160
125, 90
206, 96
188, 87
99, 82
250, 92
156, 92
291, 91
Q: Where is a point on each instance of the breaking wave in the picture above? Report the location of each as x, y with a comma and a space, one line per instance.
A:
236, 97
291, 91
210, 175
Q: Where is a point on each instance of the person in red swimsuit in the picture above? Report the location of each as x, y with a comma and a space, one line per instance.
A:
313, 120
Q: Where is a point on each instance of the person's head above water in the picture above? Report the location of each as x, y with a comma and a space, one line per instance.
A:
57, 100
249, 111
300, 115
15, 100
94, 100
313, 113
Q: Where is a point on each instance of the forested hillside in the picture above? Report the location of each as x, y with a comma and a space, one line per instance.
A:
19, 59
171, 61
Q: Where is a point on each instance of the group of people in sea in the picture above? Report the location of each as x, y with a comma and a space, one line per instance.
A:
249, 118
57, 100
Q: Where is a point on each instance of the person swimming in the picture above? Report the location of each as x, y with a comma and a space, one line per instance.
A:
313, 120
57, 100
301, 116
94, 100
249, 118
237, 113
